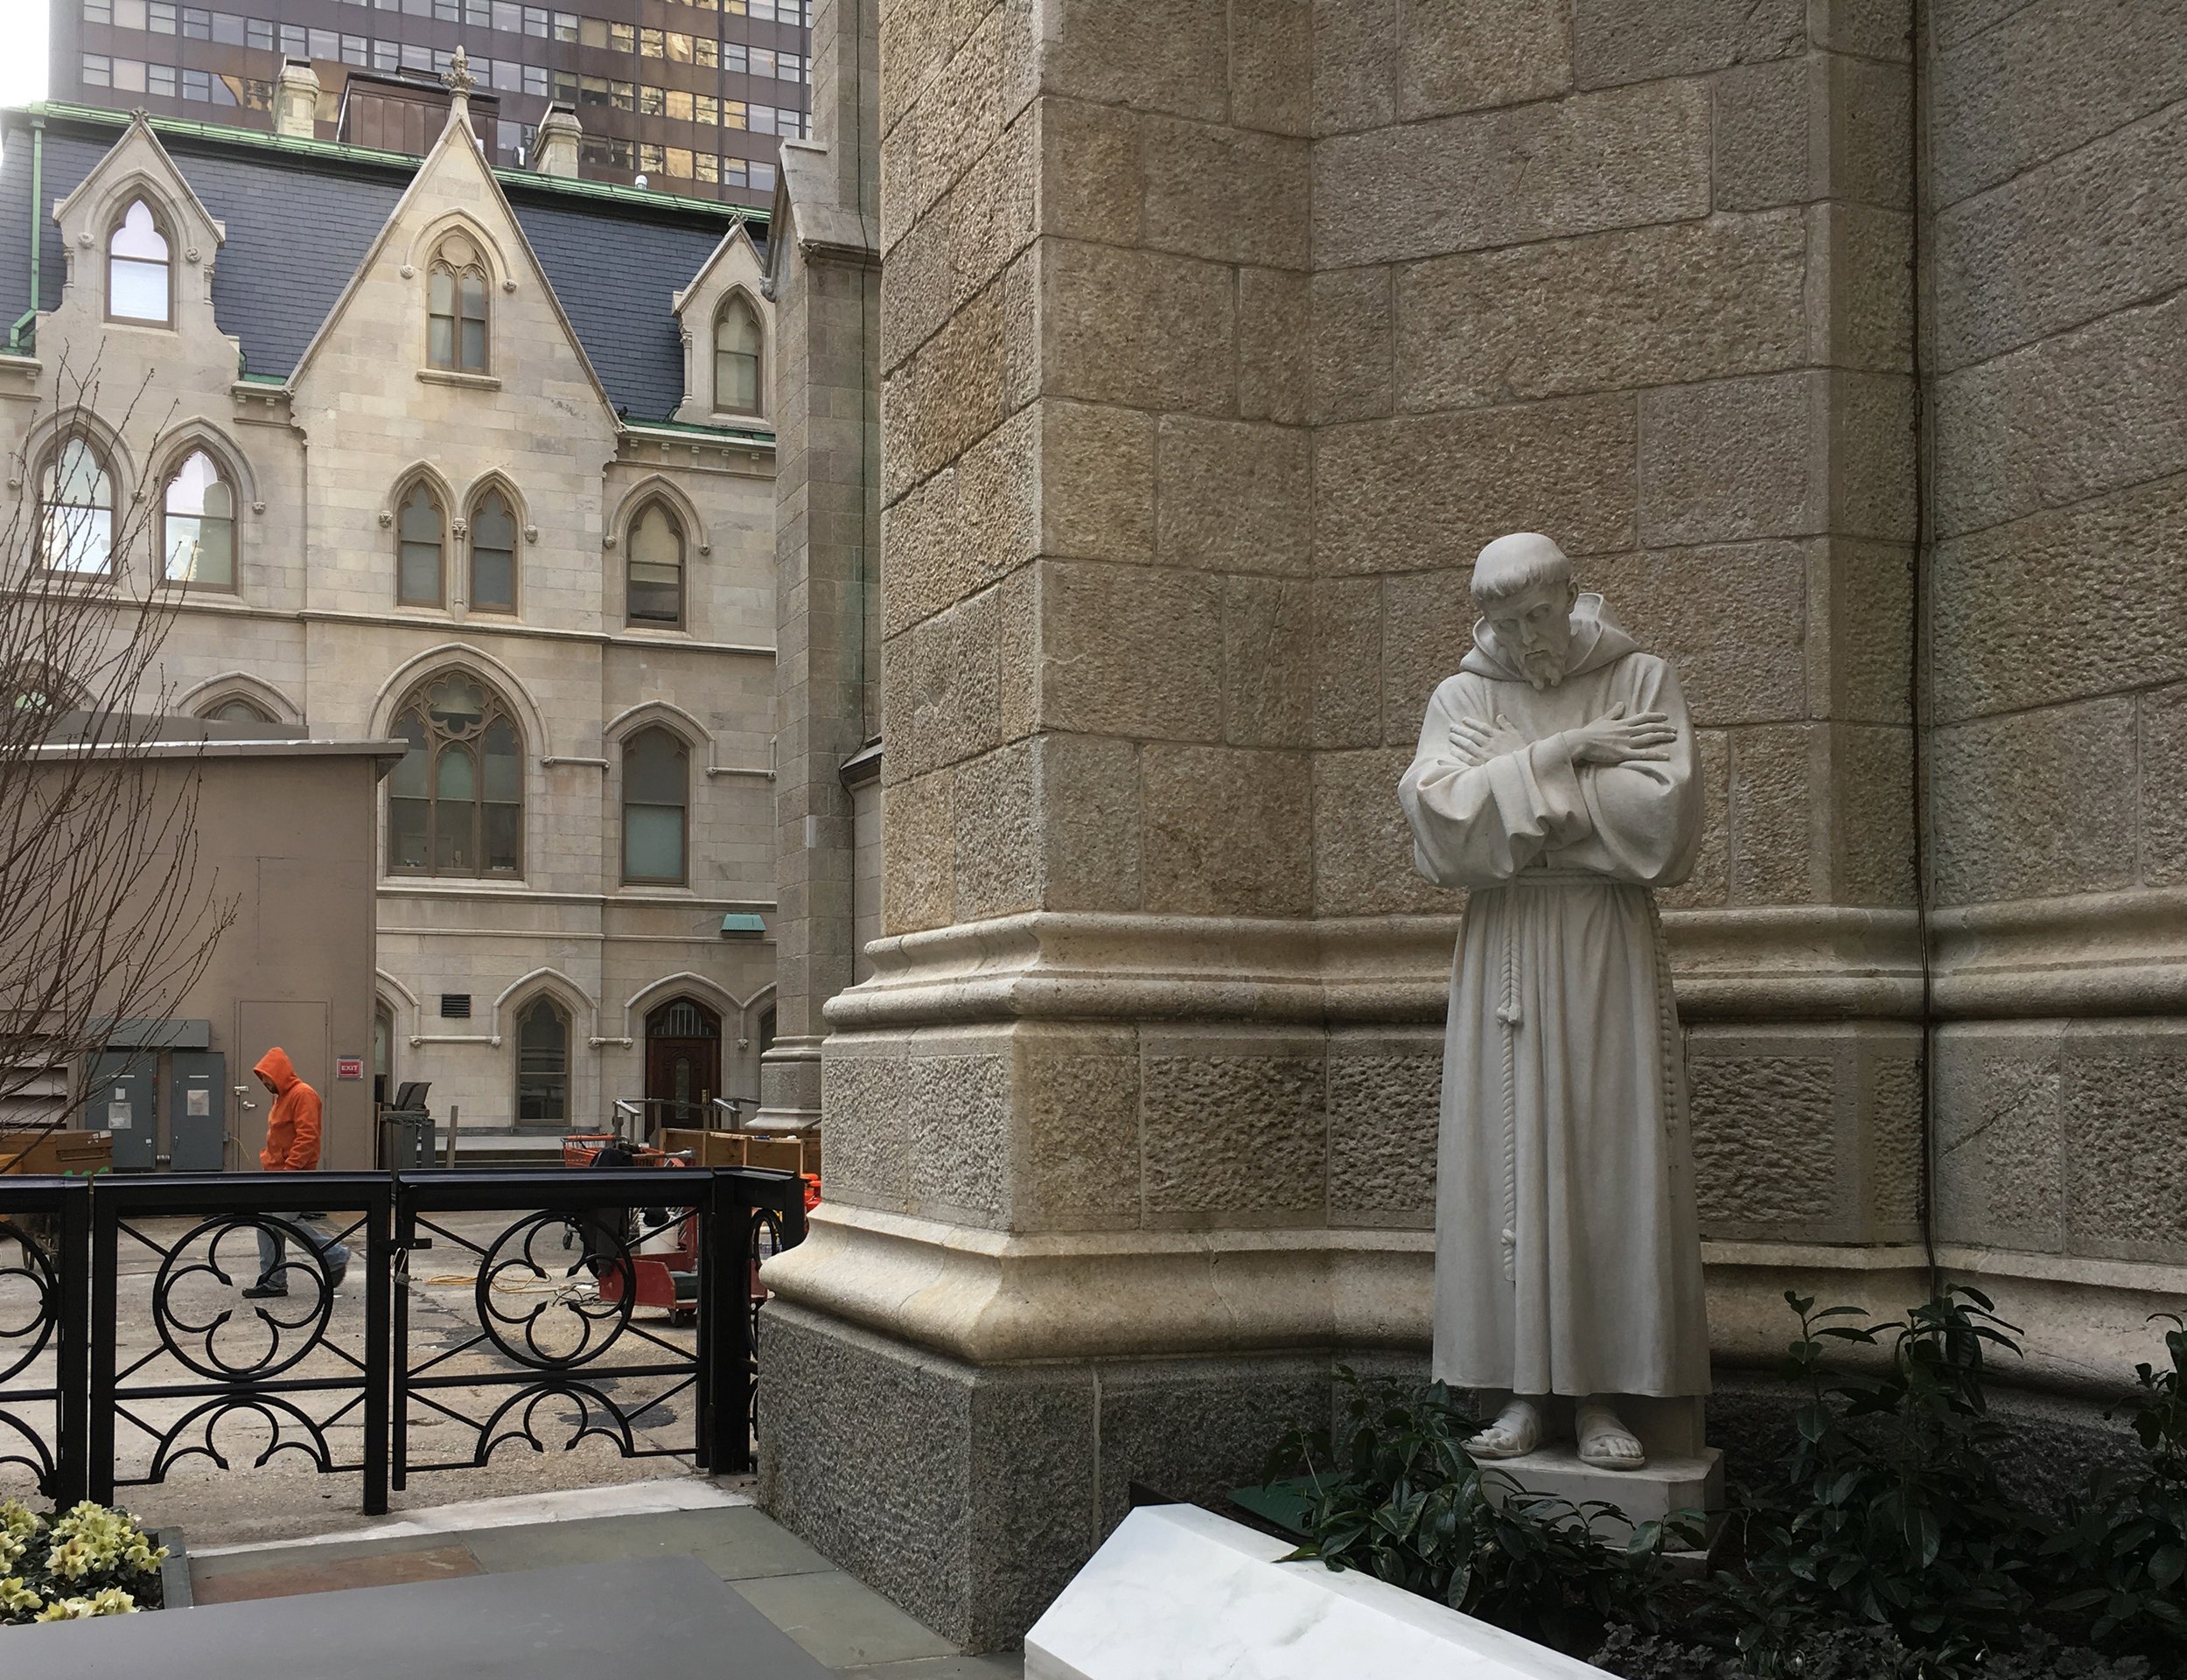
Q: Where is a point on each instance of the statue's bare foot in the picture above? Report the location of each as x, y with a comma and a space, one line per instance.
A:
1605, 1441
1516, 1431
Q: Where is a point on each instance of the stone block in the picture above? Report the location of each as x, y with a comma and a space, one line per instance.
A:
1761, 129
948, 395
1460, 55
1363, 847
2034, 804
2063, 604
1226, 194
1196, 1428
2000, 1136
1735, 458
1892, 1143
1089, 822
1868, 29
1772, 809
1563, 167
1017, 654
1730, 620
1692, 301
1075, 1094
2126, 1174
919, 849
1271, 66
2047, 80
1131, 650
1353, 343
998, 838
1165, 55
1613, 41
998, 493
2077, 239
1416, 492
1347, 662
1275, 334
1234, 495
1268, 630
1140, 328
1227, 832
2163, 829
1859, 273
1385, 1101
1093, 185
1872, 444
955, 1113
1872, 809
1355, 64
2096, 409
1427, 629
1767, 1126
1871, 145
865, 1140
1096, 484
1236, 1128
1710, 886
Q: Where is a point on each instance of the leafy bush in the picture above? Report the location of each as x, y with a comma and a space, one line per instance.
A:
89, 1561
1401, 1499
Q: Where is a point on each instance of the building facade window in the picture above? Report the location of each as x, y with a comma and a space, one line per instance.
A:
655, 546
739, 351
493, 554
236, 709
542, 1062
456, 802
139, 276
198, 525
75, 510
456, 303
656, 800
420, 540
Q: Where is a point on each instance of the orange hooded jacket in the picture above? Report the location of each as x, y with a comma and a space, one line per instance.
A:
292, 1130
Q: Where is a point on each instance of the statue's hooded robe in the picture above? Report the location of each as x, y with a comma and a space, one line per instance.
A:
1567, 1254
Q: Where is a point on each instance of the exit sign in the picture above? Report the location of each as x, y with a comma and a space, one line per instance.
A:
349, 1067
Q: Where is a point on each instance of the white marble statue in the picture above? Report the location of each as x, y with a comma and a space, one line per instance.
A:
1556, 779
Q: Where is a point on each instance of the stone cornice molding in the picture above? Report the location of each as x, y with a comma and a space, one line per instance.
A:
2116, 953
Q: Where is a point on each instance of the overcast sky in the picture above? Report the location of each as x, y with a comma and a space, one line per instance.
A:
22, 51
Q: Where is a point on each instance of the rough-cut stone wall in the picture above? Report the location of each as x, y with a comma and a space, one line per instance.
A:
2057, 345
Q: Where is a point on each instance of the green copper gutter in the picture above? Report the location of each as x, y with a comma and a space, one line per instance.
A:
29, 318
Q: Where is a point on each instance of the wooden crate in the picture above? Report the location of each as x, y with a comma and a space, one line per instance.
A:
57, 1152
706, 1148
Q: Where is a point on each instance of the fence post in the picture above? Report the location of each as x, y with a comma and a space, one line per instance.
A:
106, 1229
398, 1340
379, 1342
725, 1328
72, 1457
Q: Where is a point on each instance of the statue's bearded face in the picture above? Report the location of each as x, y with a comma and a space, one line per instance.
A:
1535, 627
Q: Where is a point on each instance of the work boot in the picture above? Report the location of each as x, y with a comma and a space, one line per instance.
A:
263, 1291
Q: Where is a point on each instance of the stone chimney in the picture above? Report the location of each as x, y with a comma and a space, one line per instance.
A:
555, 146
297, 99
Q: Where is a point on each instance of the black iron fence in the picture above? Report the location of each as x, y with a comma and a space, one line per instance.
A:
145, 1322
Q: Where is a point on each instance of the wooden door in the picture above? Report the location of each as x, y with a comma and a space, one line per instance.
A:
683, 1063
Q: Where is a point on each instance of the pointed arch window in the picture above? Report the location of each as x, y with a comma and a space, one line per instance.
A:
656, 807
493, 554
75, 508
420, 536
455, 308
655, 550
236, 709
542, 1061
140, 277
198, 525
739, 356
456, 802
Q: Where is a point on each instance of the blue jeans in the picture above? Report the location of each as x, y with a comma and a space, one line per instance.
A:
310, 1228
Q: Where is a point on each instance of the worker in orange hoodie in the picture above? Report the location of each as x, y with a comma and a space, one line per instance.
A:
292, 1145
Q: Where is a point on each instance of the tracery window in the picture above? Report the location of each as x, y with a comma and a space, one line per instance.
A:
140, 277
739, 353
456, 307
542, 1061
493, 553
456, 802
656, 799
420, 539
198, 525
75, 509
236, 709
654, 595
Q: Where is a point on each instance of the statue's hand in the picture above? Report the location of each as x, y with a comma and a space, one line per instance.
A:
1476, 742
1614, 738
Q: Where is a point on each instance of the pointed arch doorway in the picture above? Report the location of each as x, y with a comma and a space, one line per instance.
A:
683, 1063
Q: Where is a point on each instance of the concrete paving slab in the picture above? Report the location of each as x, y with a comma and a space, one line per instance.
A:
737, 1543
667, 1615
1005, 1665
318, 1572
841, 1620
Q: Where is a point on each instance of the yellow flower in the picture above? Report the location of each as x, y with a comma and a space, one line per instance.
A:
66, 1610
113, 1602
15, 1596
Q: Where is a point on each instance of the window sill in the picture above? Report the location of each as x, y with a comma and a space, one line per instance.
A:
449, 376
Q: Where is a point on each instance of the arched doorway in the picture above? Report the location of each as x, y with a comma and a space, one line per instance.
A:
683, 1062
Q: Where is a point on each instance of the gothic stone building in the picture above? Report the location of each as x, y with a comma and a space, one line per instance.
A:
471, 458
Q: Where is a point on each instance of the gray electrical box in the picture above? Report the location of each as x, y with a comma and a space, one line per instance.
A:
122, 1090
197, 1112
